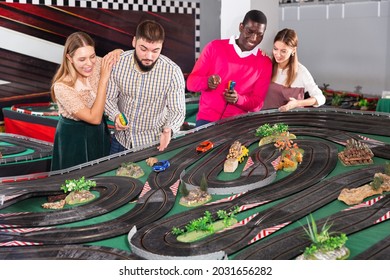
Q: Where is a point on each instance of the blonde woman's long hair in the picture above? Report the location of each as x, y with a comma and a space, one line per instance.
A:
290, 38
66, 73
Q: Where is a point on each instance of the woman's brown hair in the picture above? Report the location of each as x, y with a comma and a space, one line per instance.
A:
66, 72
290, 38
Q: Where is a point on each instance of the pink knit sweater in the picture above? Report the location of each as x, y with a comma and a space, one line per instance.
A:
252, 75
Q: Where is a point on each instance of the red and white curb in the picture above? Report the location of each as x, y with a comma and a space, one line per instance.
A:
19, 243
175, 187
145, 189
367, 203
248, 164
265, 232
370, 139
230, 198
275, 163
13, 214
240, 223
252, 205
24, 230
34, 113
383, 218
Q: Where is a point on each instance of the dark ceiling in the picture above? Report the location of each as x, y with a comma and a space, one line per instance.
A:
30, 78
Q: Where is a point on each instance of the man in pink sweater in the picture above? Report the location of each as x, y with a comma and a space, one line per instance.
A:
237, 59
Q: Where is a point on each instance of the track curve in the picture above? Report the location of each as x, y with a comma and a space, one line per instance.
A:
291, 244
157, 241
156, 202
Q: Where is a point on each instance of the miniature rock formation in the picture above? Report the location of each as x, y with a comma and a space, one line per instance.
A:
276, 137
195, 197
151, 161
54, 205
130, 169
76, 191
356, 153
231, 162
337, 254
357, 195
72, 198
77, 197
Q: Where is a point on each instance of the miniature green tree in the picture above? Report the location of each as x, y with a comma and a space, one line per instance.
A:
227, 217
376, 183
203, 223
177, 231
183, 189
77, 185
203, 183
267, 129
206, 223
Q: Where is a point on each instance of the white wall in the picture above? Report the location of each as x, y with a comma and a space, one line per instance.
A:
29, 45
344, 45
271, 9
232, 13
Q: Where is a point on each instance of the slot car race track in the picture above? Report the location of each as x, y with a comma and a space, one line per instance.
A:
66, 252
113, 193
291, 244
23, 155
156, 200
380, 251
302, 192
156, 241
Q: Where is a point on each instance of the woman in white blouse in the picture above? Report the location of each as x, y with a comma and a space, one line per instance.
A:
290, 79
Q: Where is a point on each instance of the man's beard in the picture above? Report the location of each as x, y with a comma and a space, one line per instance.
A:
144, 68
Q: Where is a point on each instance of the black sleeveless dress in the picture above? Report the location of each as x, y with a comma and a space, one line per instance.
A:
77, 142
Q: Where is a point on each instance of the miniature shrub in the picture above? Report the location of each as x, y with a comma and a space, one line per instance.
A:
267, 130
77, 185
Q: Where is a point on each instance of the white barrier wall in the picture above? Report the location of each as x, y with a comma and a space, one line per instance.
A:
344, 45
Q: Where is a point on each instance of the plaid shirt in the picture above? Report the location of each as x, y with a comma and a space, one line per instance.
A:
150, 100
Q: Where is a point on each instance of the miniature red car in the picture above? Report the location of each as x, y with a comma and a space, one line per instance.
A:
205, 146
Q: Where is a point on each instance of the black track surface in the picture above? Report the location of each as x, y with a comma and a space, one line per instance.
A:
291, 244
114, 192
306, 188
380, 251
156, 239
67, 252
14, 164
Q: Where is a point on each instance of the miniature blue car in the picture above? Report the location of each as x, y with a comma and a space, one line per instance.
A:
161, 165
